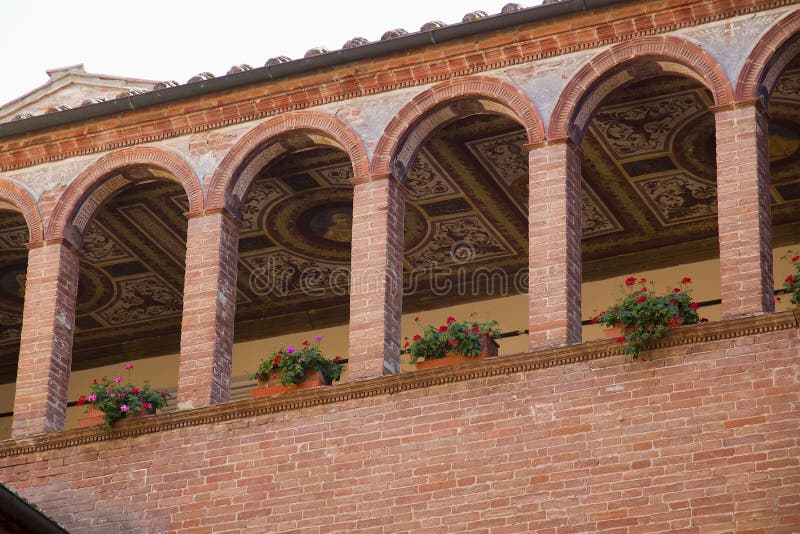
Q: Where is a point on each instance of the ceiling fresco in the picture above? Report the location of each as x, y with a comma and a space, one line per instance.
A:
648, 183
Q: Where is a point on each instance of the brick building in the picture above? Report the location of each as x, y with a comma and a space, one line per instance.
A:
515, 165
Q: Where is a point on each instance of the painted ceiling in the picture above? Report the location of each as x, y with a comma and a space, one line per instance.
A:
648, 184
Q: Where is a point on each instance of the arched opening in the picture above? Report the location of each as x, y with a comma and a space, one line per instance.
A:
649, 193
784, 175
465, 166
294, 244
14, 235
131, 232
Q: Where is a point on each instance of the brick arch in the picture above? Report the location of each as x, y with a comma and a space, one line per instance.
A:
24, 202
413, 115
584, 92
96, 176
228, 176
779, 45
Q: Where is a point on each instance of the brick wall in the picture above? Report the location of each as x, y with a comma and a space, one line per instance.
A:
702, 436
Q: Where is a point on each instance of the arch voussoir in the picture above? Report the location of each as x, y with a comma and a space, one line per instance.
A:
423, 104
228, 172
94, 175
768, 58
600, 67
23, 201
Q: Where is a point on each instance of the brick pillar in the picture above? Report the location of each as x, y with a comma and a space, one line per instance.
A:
554, 234
744, 210
209, 307
376, 278
48, 324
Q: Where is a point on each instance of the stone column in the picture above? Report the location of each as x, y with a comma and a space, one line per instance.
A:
48, 325
554, 241
376, 278
209, 307
744, 210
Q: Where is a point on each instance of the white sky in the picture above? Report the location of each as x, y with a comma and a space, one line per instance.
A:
176, 39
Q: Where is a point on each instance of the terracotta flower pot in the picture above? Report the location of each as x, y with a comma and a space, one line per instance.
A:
489, 349
612, 333
450, 359
94, 417
273, 386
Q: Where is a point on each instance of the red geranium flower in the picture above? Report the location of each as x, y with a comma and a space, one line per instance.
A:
676, 290
81, 400
451, 320
417, 337
305, 342
476, 329
453, 342
630, 281
790, 279
686, 280
135, 391
337, 358
621, 339
442, 328
795, 258
405, 345
643, 281
694, 305
276, 361
641, 299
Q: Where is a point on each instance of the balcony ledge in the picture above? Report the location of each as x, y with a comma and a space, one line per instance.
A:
387, 385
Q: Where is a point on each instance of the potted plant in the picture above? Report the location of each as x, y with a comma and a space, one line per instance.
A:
452, 343
110, 400
642, 315
792, 283
295, 368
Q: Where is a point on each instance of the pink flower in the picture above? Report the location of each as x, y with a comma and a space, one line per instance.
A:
318, 337
134, 391
147, 405
91, 398
124, 408
128, 366
117, 379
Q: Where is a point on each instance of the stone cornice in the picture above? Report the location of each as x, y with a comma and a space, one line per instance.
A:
387, 385
188, 117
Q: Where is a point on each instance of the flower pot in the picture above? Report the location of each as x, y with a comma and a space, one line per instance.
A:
449, 359
489, 346
273, 386
613, 333
94, 417
144, 412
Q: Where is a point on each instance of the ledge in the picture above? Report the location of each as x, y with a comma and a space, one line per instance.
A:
386, 385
